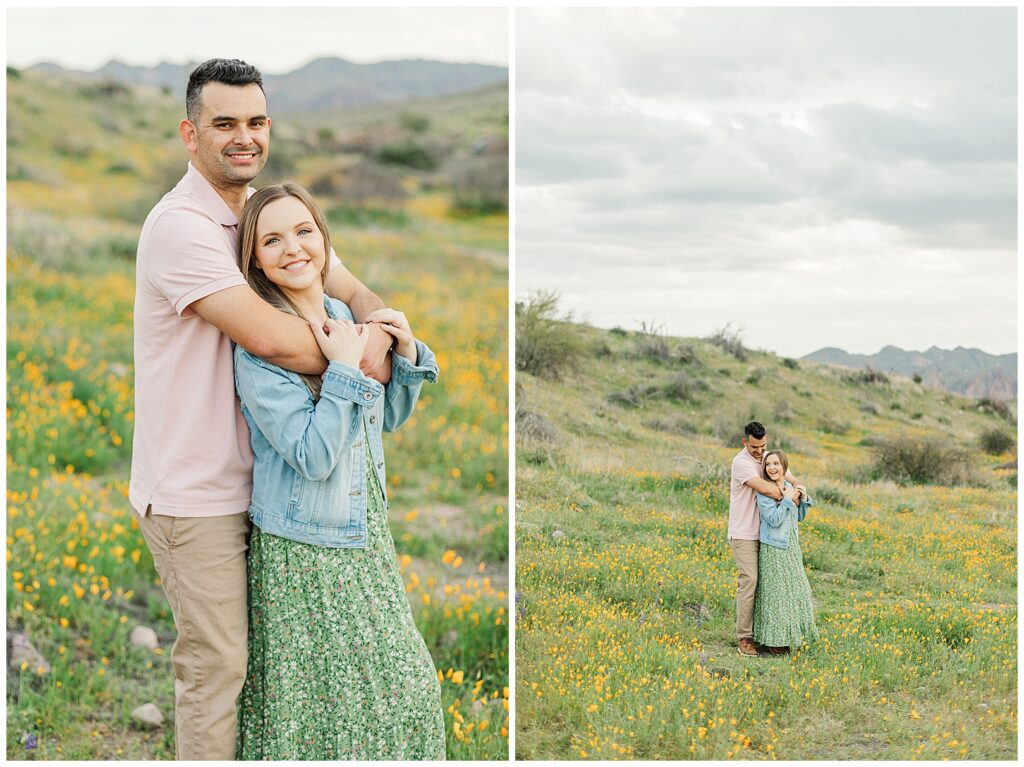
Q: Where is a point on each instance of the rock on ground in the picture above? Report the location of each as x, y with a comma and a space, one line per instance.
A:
144, 636
147, 716
20, 650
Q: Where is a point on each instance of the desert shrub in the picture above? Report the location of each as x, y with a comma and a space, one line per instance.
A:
671, 425
917, 378
602, 349
13, 72
617, 331
916, 416
791, 363
651, 344
359, 217
996, 441
414, 122
534, 427
833, 495
895, 406
909, 460
831, 425
480, 185
756, 375
368, 181
407, 154
782, 411
870, 408
996, 407
728, 340
728, 432
867, 377
547, 345
683, 387
685, 354
119, 168
634, 395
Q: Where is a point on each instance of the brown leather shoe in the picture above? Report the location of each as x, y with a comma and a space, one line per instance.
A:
747, 647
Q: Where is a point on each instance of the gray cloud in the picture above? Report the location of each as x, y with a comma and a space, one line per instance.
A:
666, 155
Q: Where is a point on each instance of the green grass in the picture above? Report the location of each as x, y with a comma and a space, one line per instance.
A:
625, 640
79, 576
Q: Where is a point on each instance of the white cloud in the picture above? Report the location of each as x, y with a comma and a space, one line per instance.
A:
681, 163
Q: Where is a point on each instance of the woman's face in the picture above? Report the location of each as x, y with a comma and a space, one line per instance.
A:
773, 468
289, 246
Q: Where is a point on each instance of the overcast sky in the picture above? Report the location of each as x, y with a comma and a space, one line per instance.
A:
277, 40
821, 177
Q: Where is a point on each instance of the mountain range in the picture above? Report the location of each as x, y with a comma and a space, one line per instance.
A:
324, 83
971, 372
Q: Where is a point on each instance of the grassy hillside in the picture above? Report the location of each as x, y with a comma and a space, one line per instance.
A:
625, 584
79, 576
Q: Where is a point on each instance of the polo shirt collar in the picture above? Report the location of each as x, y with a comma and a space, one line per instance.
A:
202, 191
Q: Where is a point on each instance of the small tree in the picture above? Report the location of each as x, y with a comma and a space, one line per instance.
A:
547, 346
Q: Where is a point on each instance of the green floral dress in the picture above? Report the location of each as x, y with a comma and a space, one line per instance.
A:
337, 668
783, 610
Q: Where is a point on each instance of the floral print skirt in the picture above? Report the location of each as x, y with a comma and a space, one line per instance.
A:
783, 610
337, 668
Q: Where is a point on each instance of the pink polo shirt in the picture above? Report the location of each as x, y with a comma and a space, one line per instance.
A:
744, 521
190, 452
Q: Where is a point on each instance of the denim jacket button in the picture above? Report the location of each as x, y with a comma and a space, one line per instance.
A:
367, 395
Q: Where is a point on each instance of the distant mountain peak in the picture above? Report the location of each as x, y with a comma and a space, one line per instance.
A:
971, 372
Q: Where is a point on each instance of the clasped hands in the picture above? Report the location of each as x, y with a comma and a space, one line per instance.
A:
369, 341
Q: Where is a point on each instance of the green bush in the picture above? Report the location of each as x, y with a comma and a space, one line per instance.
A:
407, 154
480, 185
996, 441
996, 407
547, 346
833, 495
909, 460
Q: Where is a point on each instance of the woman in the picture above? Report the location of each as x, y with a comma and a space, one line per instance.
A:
337, 669
783, 610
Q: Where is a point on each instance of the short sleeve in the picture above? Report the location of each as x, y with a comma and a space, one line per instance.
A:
744, 470
190, 257
333, 260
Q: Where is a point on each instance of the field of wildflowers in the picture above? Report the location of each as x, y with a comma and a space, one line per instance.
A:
625, 584
79, 576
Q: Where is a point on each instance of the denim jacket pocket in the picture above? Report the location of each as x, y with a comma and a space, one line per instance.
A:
305, 504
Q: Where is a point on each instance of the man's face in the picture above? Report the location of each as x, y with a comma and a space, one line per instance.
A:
230, 144
756, 447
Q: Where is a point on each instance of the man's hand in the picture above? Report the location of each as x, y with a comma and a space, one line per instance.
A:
376, 361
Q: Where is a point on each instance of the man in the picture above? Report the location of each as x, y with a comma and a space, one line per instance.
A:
191, 474
745, 526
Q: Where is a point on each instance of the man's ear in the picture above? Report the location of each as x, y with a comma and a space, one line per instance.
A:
189, 136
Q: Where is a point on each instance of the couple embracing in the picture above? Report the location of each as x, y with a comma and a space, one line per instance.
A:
766, 503
258, 467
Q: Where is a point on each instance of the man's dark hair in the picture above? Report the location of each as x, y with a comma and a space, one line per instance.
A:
227, 71
755, 430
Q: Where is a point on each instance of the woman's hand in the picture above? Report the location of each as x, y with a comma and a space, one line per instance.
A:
395, 323
793, 494
340, 341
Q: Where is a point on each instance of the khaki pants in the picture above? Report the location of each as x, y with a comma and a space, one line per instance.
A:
201, 562
745, 553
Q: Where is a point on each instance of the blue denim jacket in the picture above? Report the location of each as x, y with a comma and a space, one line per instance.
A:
309, 473
777, 518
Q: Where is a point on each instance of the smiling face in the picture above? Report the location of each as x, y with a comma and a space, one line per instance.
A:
773, 468
231, 139
755, 446
289, 247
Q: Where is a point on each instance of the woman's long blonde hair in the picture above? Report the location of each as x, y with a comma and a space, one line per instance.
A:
247, 240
